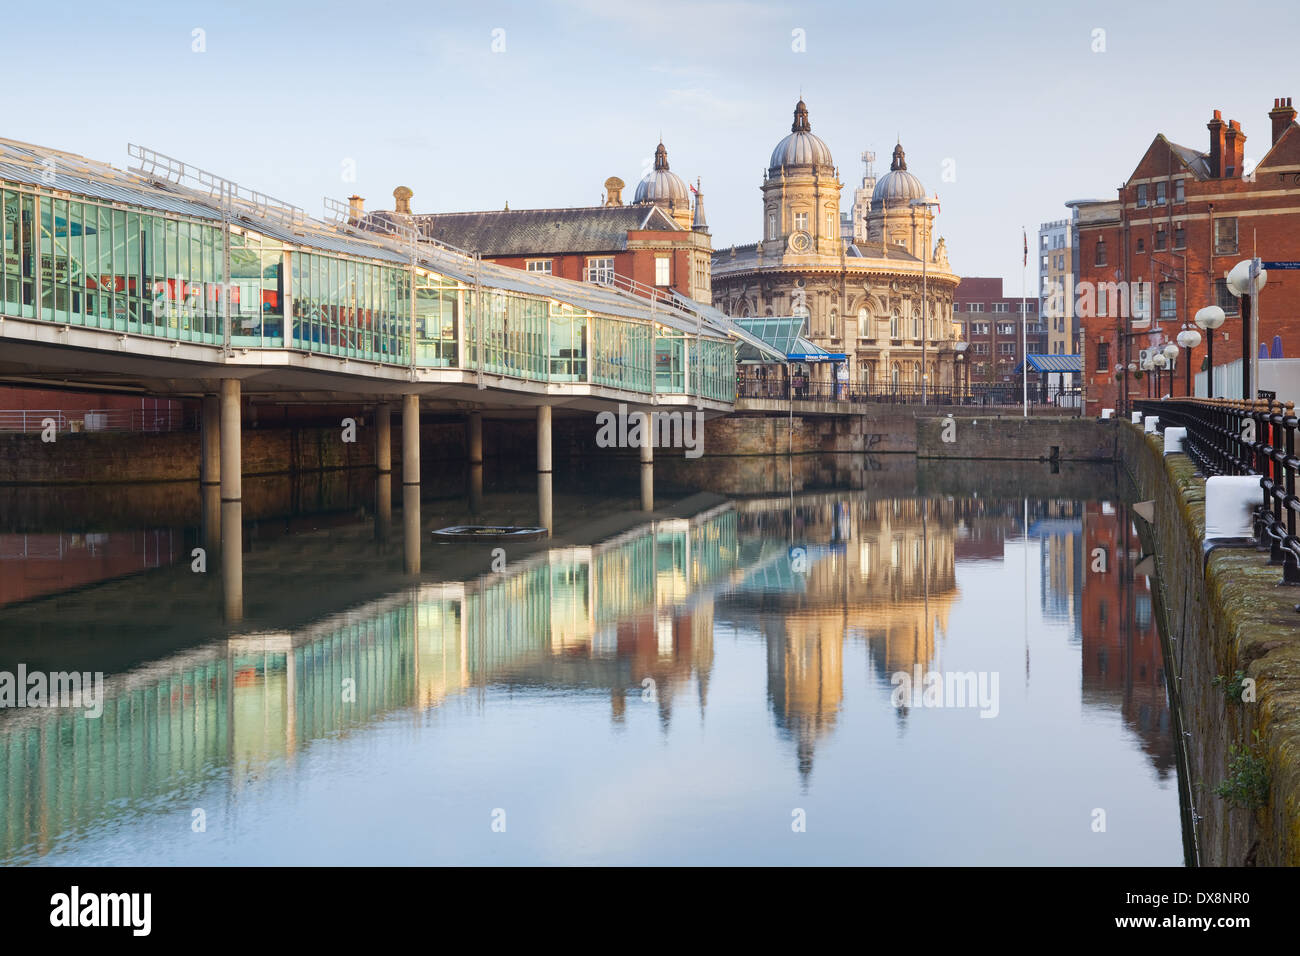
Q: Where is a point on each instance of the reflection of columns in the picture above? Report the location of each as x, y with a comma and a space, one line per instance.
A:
232, 527
210, 450
210, 518
475, 440
545, 513
411, 528
383, 505
383, 438
232, 559
648, 468
411, 481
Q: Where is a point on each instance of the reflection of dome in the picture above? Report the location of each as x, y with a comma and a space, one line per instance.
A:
801, 147
660, 184
897, 185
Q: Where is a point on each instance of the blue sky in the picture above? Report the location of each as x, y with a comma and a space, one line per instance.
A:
288, 96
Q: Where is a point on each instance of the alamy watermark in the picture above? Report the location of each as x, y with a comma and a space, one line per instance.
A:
675, 429
954, 689
57, 689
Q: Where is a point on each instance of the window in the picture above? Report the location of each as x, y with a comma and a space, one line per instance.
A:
894, 330
1024, 307
830, 225
1103, 356
1225, 236
1000, 307
1180, 236
663, 270
1042, 241
1006, 348
981, 348
1141, 245
1006, 328
1228, 302
979, 328
1100, 257
801, 222
1168, 300
1161, 193
771, 225
1102, 295
916, 324
1161, 240
1141, 307
835, 324
1045, 261
540, 265
975, 307
600, 269
1142, 195
1179, 194
956, 307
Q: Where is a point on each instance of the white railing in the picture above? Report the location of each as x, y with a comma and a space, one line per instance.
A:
167, 419
32, 419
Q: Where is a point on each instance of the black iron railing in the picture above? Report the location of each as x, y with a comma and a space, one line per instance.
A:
980, 394
1238, 437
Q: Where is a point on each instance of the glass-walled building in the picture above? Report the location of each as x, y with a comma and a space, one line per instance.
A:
162, 252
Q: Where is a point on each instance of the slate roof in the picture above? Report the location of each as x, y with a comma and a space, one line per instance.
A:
1195, 160
525, 232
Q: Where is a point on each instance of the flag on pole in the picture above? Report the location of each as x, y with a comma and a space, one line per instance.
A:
1025, 235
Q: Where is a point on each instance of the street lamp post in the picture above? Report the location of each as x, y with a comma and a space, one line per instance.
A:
1189, 338
1171, 354
1209, 319
961, 366
1159, 362
1245, 279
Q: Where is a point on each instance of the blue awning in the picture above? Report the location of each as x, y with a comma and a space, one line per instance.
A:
1072, 364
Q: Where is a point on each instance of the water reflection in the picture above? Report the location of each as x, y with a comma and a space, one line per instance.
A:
804, 605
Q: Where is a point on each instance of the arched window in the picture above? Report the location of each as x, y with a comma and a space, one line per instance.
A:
835, 323
896, 374
916, 324
894, 323
864, 372
916, 373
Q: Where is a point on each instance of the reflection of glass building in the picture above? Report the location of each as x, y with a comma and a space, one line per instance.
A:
596, 619
1060, 535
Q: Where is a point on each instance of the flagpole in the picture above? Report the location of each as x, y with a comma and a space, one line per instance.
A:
1024, 334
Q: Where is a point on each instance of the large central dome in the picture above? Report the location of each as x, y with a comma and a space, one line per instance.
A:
801, 147
897, 185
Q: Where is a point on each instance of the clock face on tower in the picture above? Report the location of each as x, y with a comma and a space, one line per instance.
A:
800, 242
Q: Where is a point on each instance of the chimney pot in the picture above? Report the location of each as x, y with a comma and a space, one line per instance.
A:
402, 196
1282, 116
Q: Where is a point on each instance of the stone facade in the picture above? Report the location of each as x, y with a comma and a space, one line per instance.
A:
863, 299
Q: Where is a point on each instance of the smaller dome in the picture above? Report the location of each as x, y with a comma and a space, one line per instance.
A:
897, 185
661, 184
802, 147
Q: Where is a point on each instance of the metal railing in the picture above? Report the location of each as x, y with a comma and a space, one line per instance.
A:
1238, 437
174, 418
972, 395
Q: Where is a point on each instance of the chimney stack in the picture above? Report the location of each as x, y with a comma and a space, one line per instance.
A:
614, 191
1234, 149
1215, 126
402, 196
1282, 114
356, 208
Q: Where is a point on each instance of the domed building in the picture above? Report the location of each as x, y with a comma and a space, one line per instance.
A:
664, 188
862, 302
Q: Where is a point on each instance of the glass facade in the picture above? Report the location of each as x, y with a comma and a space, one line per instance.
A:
149, 272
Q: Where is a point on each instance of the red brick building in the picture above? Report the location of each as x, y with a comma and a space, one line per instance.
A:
1149, 260
990, 323
659, 240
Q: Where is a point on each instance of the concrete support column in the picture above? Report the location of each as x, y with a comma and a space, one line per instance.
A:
545, 512
231, 452
210, 442
232, 520
648, 470
411, 482
476, 438
410, 439
383, 438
